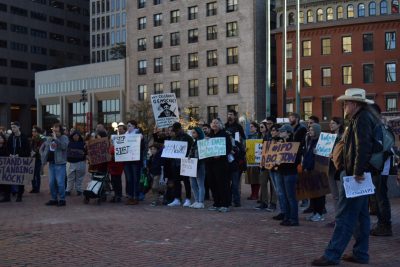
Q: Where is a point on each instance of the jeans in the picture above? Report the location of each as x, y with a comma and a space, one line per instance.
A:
289, 185
132, 174
36, 176
277, 180
383, 205
235, 187
334, 187
268, 194
57, 180
75, 175
352, 218
197, 183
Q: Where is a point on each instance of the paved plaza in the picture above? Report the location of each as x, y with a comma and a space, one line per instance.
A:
32, 234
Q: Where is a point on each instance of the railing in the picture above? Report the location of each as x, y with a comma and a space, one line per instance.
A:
279, 3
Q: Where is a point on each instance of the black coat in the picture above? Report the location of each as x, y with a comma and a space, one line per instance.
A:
19, 145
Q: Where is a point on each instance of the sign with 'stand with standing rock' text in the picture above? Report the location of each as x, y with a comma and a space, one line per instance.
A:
16, 170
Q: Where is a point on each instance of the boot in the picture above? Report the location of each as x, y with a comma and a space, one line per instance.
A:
382, 230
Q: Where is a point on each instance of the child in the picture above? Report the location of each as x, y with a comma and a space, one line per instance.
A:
155, 167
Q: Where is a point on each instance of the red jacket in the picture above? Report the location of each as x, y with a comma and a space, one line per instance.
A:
114, 168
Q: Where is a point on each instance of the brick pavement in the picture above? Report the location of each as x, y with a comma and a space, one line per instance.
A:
32, 234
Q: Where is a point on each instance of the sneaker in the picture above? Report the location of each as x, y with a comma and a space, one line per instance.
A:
262, 206
279, 217
309, 218
223, 209
271, 208
174, 203
199, 205
308, 210
317, 218
52, 203
213, 208
153, 204
187, 203
61, 203
194, 205
382, 230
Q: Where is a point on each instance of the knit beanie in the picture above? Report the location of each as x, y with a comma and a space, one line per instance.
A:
317, 129
199, 132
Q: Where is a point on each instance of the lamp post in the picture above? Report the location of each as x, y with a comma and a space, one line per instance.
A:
83, 101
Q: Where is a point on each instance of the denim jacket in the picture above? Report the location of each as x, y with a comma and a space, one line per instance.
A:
60, 154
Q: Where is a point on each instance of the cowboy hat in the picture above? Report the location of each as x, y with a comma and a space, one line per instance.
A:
355, 94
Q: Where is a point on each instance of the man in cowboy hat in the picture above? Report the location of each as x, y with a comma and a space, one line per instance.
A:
352, 217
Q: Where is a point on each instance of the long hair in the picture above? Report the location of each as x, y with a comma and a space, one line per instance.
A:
339, 121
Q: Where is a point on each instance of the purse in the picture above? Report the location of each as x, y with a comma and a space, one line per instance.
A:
337, 155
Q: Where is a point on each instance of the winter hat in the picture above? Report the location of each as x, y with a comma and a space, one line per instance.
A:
199, 132
286, 128
317, 129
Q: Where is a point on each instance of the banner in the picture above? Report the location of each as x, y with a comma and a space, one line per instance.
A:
276, 153
325, 144
395, 126
254, 151
174, 149
165, 109
16, 170
98, 151
189, 167
312, 184
212, 147
127, 147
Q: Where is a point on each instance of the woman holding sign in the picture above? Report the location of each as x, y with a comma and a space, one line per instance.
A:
253, 172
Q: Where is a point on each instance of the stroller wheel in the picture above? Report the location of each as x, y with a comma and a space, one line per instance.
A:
86, 200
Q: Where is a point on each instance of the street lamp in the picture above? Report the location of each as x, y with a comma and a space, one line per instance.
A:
83, 101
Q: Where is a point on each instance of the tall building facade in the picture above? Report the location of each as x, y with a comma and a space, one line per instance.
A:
37, 35
108, 29
211, 54
343, 44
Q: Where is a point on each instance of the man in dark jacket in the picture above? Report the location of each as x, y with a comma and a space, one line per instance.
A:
352, 217
233, 126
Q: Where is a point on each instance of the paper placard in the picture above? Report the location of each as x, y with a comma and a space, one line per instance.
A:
253, 151
174, 149
16, 170
325, 144
165, 109
212, 147
237, 137
279, 153
395, 126
127, 147
189, 167
356, 189
98, 151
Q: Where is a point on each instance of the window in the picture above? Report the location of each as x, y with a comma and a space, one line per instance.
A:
158, 41
38, 67
212, 86
289, 79
3, 80
38, 50
232, 55
232, 29
390, 72
142, 89
326, 46
368, 73
157, 19
320, 15
368, 42
212, 33
307, 109
350, 11
193, 113
156, 2
3, 44
347, 76
19, 82
372, 8
18, 11
158, 88
310, 16
390, 40
3, 62
391, 103
176, 88
329, 13
233, 84
212, 58
3, 25
38, 16
175, 39
383, 7
291, 18
326, 74
231, 5
395, 7
233, 107
175, 63
193, 60
158, 65
18, 29
289, 107
142, 44
141, 3
57, 37
193, 36
211, 9
175, 16
339, 12
18, 46
56, 20
301, 15
194, 87
326, 109
142, 23
346, 44
289, 50
142, 67
3, 7
212, 113
361, 10
306, 48
307, 78
192, 11
19, 64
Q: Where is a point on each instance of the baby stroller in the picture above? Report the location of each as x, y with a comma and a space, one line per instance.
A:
98, 188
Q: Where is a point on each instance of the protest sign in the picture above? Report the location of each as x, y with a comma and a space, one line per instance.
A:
174, 149
212, 147
127, 147
395, 125
325, 144
253, 151
16, 170
277, 153
353, 188
165, 109
189, 167
98, 151
312, 184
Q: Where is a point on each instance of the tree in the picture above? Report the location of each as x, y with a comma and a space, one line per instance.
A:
118, 51
142, 112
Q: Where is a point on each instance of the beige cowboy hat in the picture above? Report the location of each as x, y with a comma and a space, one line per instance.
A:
355, 94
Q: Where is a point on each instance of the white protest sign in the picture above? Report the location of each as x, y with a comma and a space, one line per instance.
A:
174, 149
258, 152
189, 167
165, 109
212, 147
356, 189
127, 147
325, 144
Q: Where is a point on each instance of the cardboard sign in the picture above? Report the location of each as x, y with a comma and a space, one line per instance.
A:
276, 153
212, 147
189, 167
254, 151
165, 109
353, 188
127, 147
98, 151
174, 149
325, 144
312, 184
16, 170
395, 125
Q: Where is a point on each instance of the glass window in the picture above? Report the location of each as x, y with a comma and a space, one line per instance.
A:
158, 41
193, 36
212, 86
158, 65
310, 16
390, 72
383, 7
211, 9
320, 15
291, 18
395, 7
326, 109
212, 32
368, 73
347, 75
361, 10
289, 79
231, 5
346, 44
372, 8
307, 78
232, 29
194, 87
326, 74
350, 11
141, 23
142, 67
193, 60
157, 19
193, 113
390, 40
212, 58
175, 39
174, 16
329, 13
141, 3
289, 107
212, 113
142, 89
233, 84
289, 50
326, 46
368, 42
307, 109
176, 88
156, 2
158, 88
306, 48
192, 12
391, 103
339, 12
232, 55
175, 63
301, 15
142, 43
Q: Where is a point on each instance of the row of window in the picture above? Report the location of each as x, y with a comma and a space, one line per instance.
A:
107, 22
232, 87
60, 5
16, 82
42, 16
211, 7
109, 38
22, 64
347, 75
107, 6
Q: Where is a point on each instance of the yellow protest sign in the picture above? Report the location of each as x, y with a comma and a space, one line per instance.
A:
254, 151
